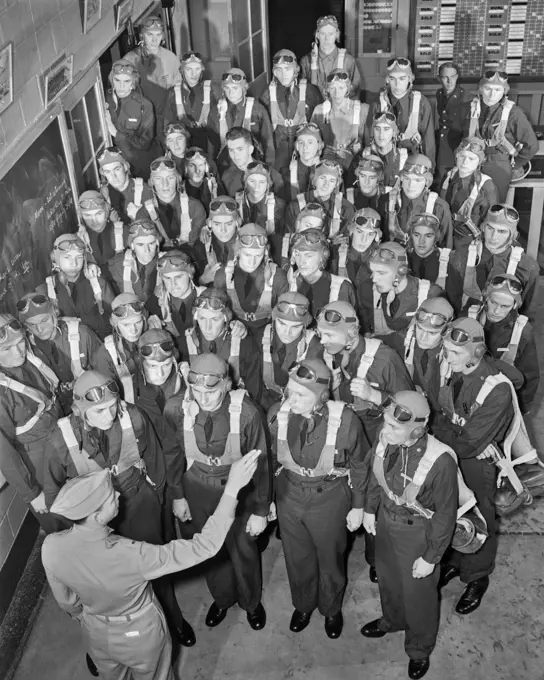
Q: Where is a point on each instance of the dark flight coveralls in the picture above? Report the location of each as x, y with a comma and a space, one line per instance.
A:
468, 431
403, 535
312, 509
210, 449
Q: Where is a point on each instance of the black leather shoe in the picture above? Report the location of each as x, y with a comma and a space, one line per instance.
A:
447, 573
418, 667
257, 618
299, 621
185, 635
334, 625
472, 597
372, 630
91, 666
373, 575
215, 615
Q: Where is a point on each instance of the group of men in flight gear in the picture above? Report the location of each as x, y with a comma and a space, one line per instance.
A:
286, 279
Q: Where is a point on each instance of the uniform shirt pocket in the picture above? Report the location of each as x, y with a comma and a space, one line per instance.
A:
132, 123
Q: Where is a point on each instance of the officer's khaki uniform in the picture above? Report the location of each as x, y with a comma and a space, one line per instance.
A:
103, 580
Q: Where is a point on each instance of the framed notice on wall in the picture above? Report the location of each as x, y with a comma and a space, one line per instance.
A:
57, 79
36, 206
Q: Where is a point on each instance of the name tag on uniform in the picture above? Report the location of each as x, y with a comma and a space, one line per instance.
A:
133, 120
132, 633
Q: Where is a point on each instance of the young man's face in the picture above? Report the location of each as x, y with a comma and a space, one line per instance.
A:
448, 78
368, 182
491, 94
234, 92
95, 219
424, 240
285, 73
13, 354
257, 186
131, 328
211, 323
192, 73
196, 171
240, 152
325, 184
145, 248
399, 83
498, 306
103, 415
115, 174
152, 39
457, 356
338, 89
71, 262
288, 331
333, 340
496, 236
413, 185
327, 35
362, 239
307, 261
466, 162
42, 326
177, 143
223, 227
383, 134
165, 183
157, 372
177, 284
382, 277
308, 147
427, 339
122, 84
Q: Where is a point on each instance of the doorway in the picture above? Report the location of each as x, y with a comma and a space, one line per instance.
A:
292, 23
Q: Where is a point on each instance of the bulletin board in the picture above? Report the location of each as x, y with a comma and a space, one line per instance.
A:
36, 205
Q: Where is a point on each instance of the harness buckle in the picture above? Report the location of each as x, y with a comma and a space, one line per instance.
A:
250, 316
214, 461
307, 472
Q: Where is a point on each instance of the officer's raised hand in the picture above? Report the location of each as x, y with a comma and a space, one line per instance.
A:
421, 568
241, 473
369, 522
354, 518
256, 525
208, 275
181, 510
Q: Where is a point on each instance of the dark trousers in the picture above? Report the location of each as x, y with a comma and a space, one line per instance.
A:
140, 519
481, 477
408, 603
312, 519
234, 574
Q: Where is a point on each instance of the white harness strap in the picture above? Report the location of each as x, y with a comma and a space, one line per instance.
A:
515, 257
510, 354
51, 290
180, 109
301, 200
335, 222
336, 284
185, 223
138, 191
372, 345
119, 246
128, 262
413, 121
122, 369
350, 195
431, 201
74, 340
443, 262
423, 288
270, 210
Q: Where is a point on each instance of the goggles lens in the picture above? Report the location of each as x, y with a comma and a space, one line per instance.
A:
167, 162
284, 58
12, 325
309, 236
235, 77
298, 310
195, 153
166, 347
331, 316
378, 115
172, 261
96, 394
206, 379
337, 76
253, 239
212, 303
369, 164
401, 61
136, 227
110, 151
329, 18
37, 301
153, 23
175, 128
461, 337
433, 318
92, 204
191, 56
416, 169
499, 282
308, 374
368, 222
228, 204
124, 68
73, 244
512, 214
501, 74
307, 126
400, 413
425, 220
123, 311
258, 164
473, 147
387, 255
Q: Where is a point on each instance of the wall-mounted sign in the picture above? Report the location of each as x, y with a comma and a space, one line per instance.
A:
57, 78
91, 13
123, 12
6, 76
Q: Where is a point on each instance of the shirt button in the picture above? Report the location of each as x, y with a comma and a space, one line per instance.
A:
319, 490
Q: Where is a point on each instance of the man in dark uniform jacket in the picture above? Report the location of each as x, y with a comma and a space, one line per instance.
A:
449, 113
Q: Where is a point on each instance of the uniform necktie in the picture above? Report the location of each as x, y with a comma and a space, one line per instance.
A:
424, 362
212, 347
208, 428
287, 100
248, 286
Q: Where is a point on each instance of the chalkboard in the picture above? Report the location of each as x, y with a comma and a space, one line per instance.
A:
36, 205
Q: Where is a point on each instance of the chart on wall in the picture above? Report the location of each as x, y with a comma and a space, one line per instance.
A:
507, 35
36, 205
